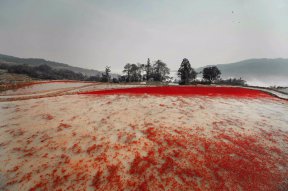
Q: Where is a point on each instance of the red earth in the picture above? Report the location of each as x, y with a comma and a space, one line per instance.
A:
186, 90
153, 155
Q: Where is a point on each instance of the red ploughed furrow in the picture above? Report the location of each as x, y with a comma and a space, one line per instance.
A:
186, 91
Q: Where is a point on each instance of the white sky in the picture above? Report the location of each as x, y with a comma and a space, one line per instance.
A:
96, 33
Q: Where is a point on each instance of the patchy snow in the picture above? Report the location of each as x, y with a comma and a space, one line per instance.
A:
43, 87
126, 142
284, 90
52, 89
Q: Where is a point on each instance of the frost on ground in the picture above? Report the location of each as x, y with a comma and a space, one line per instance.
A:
143, 142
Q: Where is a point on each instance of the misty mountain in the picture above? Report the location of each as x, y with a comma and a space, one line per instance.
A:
260, 72
38, 61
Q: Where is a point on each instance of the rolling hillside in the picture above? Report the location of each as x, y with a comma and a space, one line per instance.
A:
37, 61
259, 72
262, 72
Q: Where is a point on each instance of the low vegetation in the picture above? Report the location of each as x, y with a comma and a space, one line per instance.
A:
43, 72
157, 72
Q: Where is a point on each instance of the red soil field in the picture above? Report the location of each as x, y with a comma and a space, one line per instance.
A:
97, 147
189, 91
176, 160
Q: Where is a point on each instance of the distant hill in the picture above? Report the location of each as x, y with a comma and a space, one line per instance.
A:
262, 72
38, 61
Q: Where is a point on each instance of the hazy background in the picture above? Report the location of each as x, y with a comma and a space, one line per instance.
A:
96, 33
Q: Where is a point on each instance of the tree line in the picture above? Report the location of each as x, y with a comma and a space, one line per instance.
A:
187, 74
43, 72
146, 72
158, 72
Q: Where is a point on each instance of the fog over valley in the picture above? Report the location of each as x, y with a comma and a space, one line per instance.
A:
95, 34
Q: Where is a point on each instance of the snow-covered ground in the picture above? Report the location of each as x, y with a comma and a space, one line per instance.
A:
278, 93
125, 142
55, 89
43, 87
284, 90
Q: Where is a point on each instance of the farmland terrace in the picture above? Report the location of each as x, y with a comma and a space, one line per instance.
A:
94, 136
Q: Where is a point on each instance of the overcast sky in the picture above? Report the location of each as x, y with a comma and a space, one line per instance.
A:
96, 33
